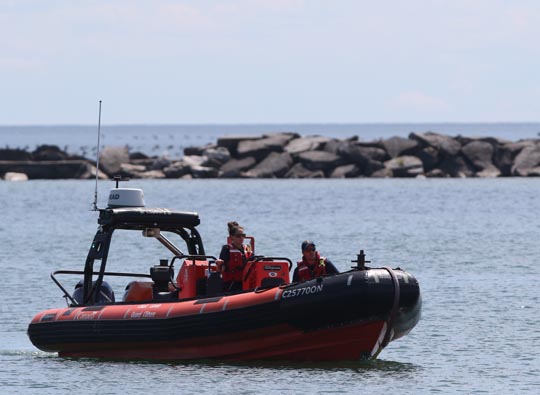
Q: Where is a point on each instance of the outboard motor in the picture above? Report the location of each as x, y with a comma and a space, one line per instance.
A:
106, 295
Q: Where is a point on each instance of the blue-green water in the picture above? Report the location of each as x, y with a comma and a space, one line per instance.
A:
472, 244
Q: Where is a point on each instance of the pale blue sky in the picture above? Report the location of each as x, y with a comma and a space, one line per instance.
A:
269, 61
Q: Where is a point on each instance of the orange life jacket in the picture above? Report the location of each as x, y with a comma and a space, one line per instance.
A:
233, 269
309, 272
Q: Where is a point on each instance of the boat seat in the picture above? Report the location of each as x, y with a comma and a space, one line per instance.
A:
138, 291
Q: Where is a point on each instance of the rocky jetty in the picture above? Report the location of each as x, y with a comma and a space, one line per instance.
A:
289, 155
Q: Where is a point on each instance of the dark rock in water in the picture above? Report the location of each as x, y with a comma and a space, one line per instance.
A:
436, 173
334, 146
274, 165
303, 144
232, 142
152, 174
397, 146
58, 169
456, 167
368, 158
299, 171
429, 157
320, 160
362, 154
177, 169
131, 171
137, 156
198, 151
287, 136
383, 172
217, 156
49, 152
195, 160
527, 162
160, 163
345, 171
447, 145
111, 159
234, 167
14, 154
259, 149
203, 172
480, 154
405, 166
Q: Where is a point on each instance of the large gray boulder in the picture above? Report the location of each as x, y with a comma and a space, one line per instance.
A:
397, 146
217, 156
527, 162
203, 172
299, 171
260, 148
177, 169
275, 165
405, 166
232, 142
369, 159
131, 171
320, 160
456, 166
308, 143
235, 167
480, 154
346, 171
111, 159
362, 154
429, 157
448, 146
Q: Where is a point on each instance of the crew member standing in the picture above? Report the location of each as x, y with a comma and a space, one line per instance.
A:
312, 265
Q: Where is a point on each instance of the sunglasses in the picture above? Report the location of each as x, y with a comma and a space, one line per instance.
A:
311, 249
240, 235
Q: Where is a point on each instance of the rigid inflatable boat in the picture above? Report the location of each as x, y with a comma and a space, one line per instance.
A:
348, 316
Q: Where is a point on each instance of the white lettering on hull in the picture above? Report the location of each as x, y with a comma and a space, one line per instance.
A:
292, 293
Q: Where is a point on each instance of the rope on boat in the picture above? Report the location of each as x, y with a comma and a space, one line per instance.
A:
395, 307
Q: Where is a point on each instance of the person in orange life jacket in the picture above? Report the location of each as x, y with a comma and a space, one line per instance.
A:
234, 256
312, 265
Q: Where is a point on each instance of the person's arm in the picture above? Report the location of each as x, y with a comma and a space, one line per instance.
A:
295, 275
225, 254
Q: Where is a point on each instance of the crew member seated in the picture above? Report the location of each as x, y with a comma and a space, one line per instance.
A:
312, 265
234, 257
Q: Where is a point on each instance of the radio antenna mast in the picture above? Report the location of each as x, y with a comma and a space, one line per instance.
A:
95, 208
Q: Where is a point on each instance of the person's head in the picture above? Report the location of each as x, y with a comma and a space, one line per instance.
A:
308, 249
236, 232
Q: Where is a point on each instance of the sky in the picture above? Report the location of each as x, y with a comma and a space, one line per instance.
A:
268, 61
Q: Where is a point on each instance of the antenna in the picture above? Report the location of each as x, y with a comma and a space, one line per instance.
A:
97, 157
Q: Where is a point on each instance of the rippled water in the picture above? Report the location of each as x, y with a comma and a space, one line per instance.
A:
472, 244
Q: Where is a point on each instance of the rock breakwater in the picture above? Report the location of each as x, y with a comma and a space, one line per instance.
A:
289, 155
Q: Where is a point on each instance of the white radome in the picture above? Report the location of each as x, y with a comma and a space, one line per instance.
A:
126, 197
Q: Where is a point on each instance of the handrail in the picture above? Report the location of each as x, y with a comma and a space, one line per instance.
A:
114, 274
